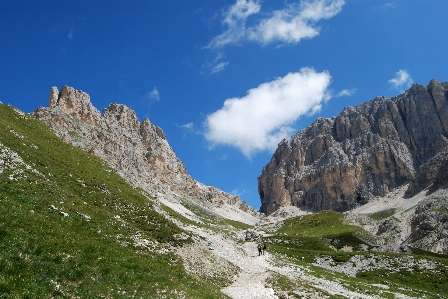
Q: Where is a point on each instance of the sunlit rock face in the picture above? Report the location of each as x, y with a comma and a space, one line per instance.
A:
365, 151
138, 151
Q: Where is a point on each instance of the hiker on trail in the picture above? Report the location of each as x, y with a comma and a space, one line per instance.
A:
259, 249
264, 248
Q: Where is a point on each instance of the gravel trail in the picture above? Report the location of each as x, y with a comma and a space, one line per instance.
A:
239, 262
254, 270
250, 282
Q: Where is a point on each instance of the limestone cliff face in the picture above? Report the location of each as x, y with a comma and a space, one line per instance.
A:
363, 152
138, 151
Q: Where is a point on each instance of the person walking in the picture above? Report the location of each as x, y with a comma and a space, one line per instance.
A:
259, 249
264, 248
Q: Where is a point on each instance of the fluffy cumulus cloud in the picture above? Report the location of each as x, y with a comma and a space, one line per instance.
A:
290, 25
401, 81
262, 118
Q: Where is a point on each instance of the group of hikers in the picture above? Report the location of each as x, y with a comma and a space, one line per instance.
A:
261, 250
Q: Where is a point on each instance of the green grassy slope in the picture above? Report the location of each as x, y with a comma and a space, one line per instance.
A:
71, 227
306, 239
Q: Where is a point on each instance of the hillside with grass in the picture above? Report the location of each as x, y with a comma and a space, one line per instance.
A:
324, 246
70, 227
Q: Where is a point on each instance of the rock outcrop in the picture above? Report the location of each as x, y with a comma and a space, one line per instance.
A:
138, 151
401, 224
365, 151
429, 226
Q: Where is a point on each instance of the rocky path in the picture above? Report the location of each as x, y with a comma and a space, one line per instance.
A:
249, 272
250, 282
255, 269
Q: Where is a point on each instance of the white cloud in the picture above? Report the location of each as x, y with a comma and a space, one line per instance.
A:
295, 22
188, 126
188, 129
217, 65
235, 19
387, 6
401, 80
346, 92
154, 94
261, 119
239, 193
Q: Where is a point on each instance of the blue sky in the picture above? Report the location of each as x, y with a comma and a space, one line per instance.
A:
225, 80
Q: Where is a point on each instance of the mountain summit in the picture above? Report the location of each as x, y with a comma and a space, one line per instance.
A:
365, 151
138, 151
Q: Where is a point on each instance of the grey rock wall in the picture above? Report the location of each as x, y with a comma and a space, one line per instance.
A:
365, 151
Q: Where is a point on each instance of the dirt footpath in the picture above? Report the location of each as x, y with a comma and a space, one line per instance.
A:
255, 270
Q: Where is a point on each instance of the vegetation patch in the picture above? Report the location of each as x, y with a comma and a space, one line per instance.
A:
71, 227
318, 231
382, 214
74, 135
441, 211
285, 288
315, 243
433, 283
213, 219
175, 215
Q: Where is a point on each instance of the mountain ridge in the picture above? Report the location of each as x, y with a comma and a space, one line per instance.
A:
138, 151
365, 151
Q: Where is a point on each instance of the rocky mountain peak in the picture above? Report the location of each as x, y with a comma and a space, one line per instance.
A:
75, 103
138, 151
121, 118
147, 128
363, 152
121, 113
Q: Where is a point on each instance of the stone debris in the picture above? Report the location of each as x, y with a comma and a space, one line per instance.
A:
10, 160
84, 215
359, 263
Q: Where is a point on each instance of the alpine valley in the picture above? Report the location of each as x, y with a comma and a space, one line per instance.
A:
97, 205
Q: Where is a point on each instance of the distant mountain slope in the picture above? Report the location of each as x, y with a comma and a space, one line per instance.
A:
138, 151
365, 151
